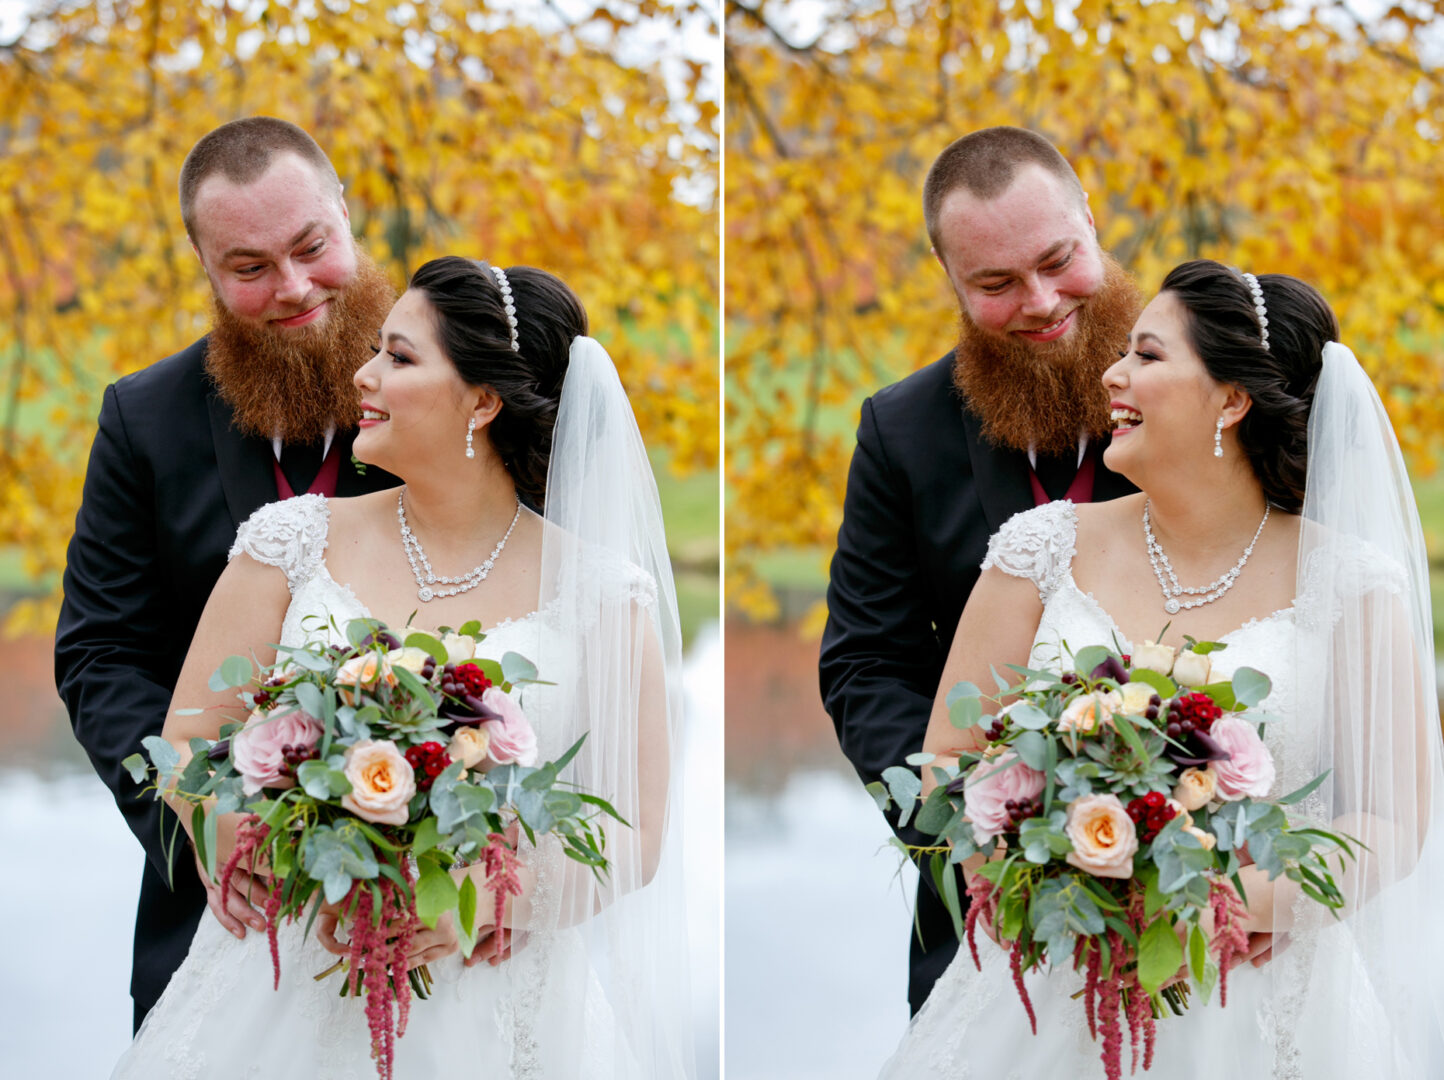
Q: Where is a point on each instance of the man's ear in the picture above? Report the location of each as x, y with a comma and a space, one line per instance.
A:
939, 256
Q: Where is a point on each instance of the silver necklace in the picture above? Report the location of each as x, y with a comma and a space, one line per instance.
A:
1172, 590
425, 578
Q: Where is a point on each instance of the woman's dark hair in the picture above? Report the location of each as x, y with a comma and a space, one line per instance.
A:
1224, 330
472, 329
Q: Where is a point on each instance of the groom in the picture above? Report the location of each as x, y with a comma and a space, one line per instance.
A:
1014, 416
260, 408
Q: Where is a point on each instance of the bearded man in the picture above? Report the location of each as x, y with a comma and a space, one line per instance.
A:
261, 408
1013, 417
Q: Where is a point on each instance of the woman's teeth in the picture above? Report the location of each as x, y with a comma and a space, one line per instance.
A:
372, 414
1126, 418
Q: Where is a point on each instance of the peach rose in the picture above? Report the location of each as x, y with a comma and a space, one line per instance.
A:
1196, 788
1085, 712
1104, 839
1192, 669
382, 782
1207, 839
365, 671
468, 746
1152, 656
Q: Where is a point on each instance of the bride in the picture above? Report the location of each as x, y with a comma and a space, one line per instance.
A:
520, 457
1267, 467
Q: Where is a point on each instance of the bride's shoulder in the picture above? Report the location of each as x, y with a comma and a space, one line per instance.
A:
1036, 544
613, 575
1336, 566
289, 534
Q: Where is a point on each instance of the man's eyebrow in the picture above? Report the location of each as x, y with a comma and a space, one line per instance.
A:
252, 253
1055, 249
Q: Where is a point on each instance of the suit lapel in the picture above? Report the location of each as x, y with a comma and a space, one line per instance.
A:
243, 461
1000, 475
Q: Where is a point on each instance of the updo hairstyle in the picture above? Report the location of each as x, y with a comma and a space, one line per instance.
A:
1224, 330
472, 330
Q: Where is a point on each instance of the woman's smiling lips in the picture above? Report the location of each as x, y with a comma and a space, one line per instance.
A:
1125, 417
371, 416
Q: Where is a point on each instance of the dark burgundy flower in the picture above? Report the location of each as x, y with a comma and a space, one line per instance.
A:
1110, 669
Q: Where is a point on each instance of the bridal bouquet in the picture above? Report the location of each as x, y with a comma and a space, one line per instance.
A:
365, 773
1114, 801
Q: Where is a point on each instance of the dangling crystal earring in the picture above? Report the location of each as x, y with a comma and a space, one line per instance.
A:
1217, 440
471, 426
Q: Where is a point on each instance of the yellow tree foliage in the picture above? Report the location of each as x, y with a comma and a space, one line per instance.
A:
1272, 135
588, 147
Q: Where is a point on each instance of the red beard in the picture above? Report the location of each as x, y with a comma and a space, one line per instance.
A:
1045, 395
297, 383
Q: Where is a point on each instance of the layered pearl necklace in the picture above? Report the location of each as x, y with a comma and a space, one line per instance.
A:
1172, 590
425, 578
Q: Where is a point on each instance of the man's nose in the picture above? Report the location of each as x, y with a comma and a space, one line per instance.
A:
295, 283
1040, 299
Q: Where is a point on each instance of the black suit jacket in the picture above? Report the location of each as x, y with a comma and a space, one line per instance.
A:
924, 494
169, 481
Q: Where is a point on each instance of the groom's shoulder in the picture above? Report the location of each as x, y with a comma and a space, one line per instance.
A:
926, 397
178, 376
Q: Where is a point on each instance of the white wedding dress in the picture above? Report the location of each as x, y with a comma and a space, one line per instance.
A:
219, 1017
1307, 1015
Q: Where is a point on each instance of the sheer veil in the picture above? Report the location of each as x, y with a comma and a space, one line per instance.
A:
611, 631
1367, 678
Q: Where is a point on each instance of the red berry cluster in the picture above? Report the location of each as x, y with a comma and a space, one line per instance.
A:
996, 729
428, 761
1189, 713
1020, 810
459, 680
294, 755
1150, 813
265, 694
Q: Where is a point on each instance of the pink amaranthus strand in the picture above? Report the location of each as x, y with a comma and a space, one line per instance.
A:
1089, 954
1110, 1004
1230, 939
501, 864
273, 908
250, 836
380, 944
981, 905
1015, 960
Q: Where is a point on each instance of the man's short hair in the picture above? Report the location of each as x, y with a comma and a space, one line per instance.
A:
242, 151
984, 163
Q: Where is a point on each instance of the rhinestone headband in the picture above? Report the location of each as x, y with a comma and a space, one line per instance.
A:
506, 302
1258, 306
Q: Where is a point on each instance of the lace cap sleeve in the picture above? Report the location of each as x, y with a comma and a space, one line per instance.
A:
1037, 544
290, 535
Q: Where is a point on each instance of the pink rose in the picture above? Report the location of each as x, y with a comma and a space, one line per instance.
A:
1104, 839
512, 739
1249, 769
989, 787
259, 748
382, 782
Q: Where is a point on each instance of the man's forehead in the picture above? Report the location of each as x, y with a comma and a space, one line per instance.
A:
270, 210
1009, 238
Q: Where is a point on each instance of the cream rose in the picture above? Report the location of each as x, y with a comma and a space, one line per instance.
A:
458, 647
1192, 669
1207, 839
1103, 836
411, 658
1196, 788
1152, 656
1136, 698
382, 782
469, 746
1085, 712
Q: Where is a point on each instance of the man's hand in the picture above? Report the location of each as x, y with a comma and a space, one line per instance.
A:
234, 911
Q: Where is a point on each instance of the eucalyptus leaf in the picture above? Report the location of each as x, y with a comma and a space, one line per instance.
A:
1165, 686
163, 755
1250, 687
905, 786
428, 644
1089, 657
878, 793
310, 699
516, 668
135, 765
1028, 716
234, 671
1032, 748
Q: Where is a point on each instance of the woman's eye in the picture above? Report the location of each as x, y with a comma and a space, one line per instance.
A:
400, 358
375, 349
